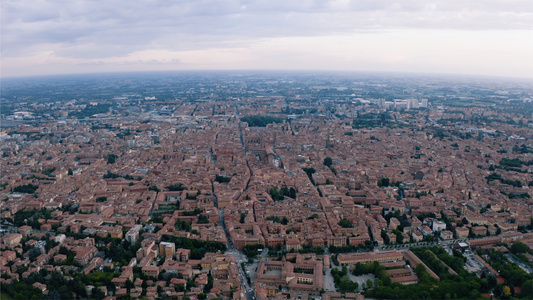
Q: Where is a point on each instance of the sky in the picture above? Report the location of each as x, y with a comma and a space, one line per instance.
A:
473, 37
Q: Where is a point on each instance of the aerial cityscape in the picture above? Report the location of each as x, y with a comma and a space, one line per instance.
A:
266, 185
266, 150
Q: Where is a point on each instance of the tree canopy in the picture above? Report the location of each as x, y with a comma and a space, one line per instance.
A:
328, 161
260, 121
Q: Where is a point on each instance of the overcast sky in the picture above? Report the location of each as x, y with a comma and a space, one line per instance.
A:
485, 37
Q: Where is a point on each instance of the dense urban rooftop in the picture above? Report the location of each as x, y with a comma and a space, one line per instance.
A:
268, 185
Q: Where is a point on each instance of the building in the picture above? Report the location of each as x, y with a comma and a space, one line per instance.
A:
438, 226
368, 257
446, 235
151, 271
305, 275
25, 230
462, 232
167, 249
11, 239
183, 254
133, 234
479, 230
85, 254
412, 103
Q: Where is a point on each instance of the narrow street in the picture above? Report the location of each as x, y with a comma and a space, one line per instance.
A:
246, 289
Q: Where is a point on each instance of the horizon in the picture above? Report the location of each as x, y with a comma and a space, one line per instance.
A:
281, 71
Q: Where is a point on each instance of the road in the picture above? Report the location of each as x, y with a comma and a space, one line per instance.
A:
329, 283
153, 205
239, 256
419, 244
519, 263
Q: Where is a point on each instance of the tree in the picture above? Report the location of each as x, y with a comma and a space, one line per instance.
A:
369, 283
384, 182
203, 219
310, 172
420, 269
97, 293
176, 187
243, 216
260, 121
154, 188
328, 161
385, 237
313, 216
276, 196
129, 284
26, 188
491, 280
101, 199
399, 238
111, 158
110, 174
527, 289
506, 291
65, 292
519, 247
209, 285
222, 179
292, 193
345, 223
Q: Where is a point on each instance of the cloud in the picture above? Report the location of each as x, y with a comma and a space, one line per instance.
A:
91, 31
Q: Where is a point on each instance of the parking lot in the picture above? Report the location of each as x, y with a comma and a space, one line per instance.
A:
361, 279
329, 283
472, 264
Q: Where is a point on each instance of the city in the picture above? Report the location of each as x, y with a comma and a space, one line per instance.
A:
266, 185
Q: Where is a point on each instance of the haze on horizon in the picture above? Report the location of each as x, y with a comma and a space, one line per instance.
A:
480, 37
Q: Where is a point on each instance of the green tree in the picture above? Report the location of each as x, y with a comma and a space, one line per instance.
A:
527, 289
260, 121
369, 283
98, 294
313, 216
203, 219
292, 193
384, 182
26, 188
328, 161
176, 187
111, 158
519, 247
222, 179
345, 223
154, 188
101, 199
